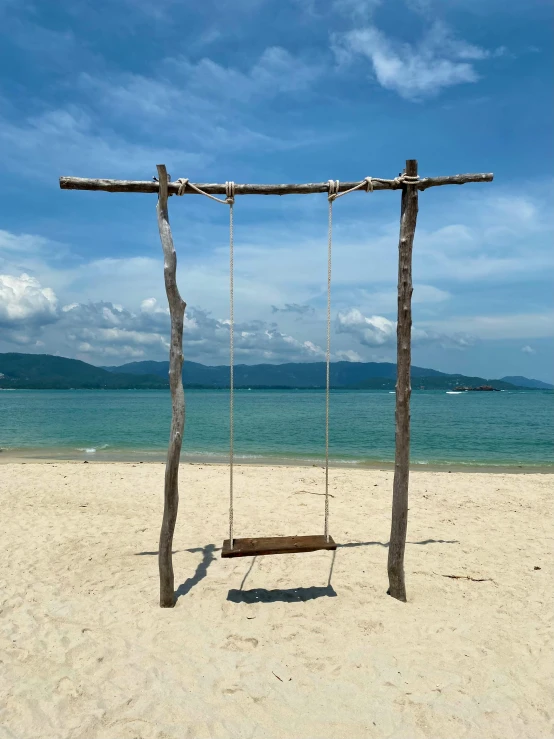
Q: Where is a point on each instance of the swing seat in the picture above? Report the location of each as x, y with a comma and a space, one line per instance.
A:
276, 545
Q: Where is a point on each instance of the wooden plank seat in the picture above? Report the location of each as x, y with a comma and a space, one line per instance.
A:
276, 545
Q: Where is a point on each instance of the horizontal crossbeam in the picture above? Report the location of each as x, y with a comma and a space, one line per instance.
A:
83, 183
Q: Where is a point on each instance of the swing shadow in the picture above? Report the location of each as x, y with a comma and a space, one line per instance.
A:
261, 595
286, 595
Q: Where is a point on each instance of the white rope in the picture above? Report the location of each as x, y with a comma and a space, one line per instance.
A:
406, 179
230, 201
230, 191
333, 194
367, 182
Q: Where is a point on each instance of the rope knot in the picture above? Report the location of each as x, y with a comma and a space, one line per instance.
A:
333, 189
406, 179
230, 192
183, 182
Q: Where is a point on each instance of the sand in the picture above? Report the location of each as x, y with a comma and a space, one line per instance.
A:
273, 646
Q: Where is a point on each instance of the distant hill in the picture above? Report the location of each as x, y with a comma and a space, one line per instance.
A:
528, 382
354, 375
293, 374
44, 371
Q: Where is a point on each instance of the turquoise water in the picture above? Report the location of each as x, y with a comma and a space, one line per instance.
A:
506, 428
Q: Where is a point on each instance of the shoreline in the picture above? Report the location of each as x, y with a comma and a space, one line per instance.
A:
49, 456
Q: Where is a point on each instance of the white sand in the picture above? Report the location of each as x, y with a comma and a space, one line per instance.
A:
86, 652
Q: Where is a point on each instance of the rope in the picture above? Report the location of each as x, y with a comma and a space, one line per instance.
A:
230, 190
230, 201
367, 182
333, 194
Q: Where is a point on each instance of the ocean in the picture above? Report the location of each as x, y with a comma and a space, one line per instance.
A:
507, 429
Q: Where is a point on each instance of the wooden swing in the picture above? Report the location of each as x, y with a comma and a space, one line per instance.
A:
410, 184
252, 547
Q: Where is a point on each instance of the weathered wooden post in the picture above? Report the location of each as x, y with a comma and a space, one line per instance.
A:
177, 311
399, 522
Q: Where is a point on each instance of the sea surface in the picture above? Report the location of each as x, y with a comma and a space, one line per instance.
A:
470, 429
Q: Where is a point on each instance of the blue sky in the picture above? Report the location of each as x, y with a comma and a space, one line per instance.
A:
278, 91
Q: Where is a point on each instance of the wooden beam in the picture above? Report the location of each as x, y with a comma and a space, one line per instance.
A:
82, 183
399, 522
177, 311
276, 545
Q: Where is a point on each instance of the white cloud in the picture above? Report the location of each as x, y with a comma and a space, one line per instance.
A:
348, 356
97, 330
370, 331
104, 329
379, 331
25, 303
528, 349
275, 72
417, 71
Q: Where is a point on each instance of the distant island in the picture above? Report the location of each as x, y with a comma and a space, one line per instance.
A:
48, 372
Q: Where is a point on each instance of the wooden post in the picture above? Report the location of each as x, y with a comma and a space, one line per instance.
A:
399, 523
177, 311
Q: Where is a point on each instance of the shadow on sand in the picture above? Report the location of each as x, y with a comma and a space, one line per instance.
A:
287, 595
261, 595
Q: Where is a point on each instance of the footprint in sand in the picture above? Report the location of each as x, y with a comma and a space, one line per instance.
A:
67, 688
240, 644
371, 627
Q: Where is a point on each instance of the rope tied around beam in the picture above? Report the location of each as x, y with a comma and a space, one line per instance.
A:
406, 179
334, 186
367, 182
184, 182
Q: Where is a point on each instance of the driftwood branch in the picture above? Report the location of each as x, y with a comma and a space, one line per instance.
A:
177, 310
399, 522
83, 183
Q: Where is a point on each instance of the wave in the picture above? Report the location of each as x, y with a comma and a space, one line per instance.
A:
92, 449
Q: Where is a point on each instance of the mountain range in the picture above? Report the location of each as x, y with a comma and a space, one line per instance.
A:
520, 381
307, 375
44, 371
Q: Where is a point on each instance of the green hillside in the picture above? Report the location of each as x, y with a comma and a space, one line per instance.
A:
44, 371
291, 374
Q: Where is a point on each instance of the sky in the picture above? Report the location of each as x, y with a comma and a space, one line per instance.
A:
278, 91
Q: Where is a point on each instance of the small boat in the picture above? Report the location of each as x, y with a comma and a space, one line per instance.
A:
455, 392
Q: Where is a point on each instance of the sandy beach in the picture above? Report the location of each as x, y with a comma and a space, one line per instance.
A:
306, 646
